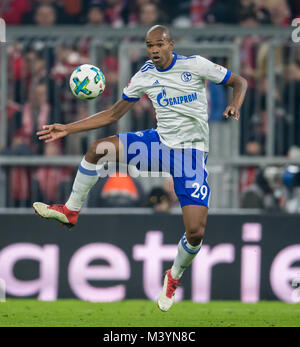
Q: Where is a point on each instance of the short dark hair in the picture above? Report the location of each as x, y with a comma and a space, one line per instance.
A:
163, 29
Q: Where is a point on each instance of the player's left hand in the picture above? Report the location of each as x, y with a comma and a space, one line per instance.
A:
232, 111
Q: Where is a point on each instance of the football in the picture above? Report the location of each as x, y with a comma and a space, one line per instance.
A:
87, 82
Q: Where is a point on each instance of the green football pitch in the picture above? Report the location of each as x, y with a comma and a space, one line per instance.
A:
142, 313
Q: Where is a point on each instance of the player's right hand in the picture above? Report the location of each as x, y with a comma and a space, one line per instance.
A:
52, 132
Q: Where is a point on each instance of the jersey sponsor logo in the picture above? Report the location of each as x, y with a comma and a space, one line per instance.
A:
164, 101
186, 76
155, 83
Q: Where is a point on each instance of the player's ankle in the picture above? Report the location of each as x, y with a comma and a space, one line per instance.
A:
176, 273
71, 208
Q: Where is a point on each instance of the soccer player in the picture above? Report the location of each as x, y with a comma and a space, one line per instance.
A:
176, 86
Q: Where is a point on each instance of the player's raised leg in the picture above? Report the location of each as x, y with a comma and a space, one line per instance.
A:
104, 150
194, 217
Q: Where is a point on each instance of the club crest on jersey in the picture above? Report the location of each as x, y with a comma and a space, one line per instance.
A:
186, 76
164, 101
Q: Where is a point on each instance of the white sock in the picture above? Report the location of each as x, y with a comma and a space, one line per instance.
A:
185, 254
85, 179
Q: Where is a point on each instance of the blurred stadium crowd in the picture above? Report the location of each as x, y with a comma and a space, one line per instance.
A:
119, 13
39, 94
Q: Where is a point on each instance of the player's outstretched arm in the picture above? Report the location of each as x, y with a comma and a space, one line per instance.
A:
239, 85
55, 131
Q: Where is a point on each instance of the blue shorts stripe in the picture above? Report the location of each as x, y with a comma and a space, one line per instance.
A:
86, 171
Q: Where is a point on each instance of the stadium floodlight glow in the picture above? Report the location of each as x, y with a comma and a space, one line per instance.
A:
2, 30
296, 32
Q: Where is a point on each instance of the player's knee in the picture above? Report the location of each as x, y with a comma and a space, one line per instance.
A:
91, 155
195, 234
101, 149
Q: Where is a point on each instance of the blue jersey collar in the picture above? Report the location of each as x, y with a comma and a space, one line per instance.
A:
170, 66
